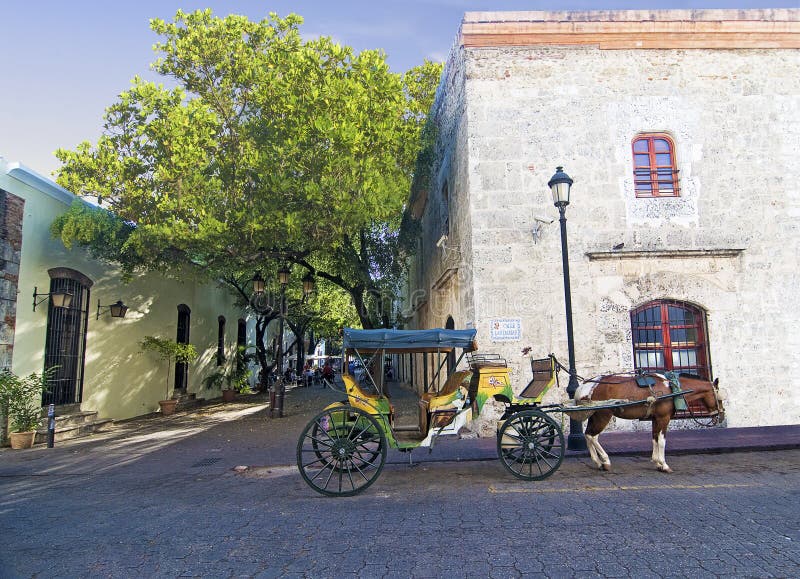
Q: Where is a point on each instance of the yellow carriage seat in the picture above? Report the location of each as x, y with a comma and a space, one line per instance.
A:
544, 376
438, 405
445, 395
360, 398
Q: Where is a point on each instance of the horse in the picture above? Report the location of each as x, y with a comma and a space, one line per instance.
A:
626, 388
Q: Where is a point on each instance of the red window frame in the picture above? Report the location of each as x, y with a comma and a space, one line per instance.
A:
655, 172
656, 331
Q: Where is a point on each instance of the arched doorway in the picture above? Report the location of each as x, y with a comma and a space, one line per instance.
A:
65, 341
451, 357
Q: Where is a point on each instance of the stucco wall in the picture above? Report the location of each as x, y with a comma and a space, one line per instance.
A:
120, 381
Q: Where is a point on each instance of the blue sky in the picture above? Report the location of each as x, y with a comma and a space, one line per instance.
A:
64, 62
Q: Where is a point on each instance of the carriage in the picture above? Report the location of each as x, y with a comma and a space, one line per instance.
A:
343, 449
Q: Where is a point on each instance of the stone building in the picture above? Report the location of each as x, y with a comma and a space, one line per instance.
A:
681, 130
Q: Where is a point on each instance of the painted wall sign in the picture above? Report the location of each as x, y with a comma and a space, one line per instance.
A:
506, 330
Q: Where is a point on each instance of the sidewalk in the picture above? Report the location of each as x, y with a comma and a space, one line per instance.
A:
242, 433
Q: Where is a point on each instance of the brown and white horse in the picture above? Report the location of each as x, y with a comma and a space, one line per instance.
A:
621, 387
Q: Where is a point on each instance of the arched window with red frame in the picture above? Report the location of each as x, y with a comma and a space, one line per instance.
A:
670, 335
655, 172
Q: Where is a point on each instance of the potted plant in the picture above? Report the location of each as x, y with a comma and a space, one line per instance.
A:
220, 379
238, 378
171, 351
22, 400
233, 380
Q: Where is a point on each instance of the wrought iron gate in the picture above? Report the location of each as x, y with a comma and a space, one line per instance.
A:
65, 344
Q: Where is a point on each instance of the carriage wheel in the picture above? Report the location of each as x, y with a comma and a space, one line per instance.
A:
341, 451
320, 442
531, 445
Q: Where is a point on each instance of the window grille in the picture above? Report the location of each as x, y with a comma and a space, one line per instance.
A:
670, 335
65, 342
220, 340
182, 337
654, 167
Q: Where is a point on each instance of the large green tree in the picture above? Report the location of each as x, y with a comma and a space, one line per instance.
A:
263, 148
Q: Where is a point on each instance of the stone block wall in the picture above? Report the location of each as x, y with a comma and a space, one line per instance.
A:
11, 213
565, 91
736, 131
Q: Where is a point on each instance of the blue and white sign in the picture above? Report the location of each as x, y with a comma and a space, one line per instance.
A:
506, 330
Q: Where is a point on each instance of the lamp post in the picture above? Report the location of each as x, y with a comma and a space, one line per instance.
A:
276, 406
560, 185
308, 285
258, 284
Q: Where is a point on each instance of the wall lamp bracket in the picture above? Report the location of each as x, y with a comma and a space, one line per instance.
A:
117, 309
60, 299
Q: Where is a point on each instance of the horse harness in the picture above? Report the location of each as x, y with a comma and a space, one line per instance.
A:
649, 381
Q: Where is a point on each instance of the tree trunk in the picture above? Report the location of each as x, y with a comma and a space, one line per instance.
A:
262, 323
357, 294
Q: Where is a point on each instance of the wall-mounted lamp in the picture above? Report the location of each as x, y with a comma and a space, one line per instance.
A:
60, 299
118, 309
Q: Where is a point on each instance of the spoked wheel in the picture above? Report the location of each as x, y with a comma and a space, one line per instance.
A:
531, 445
320, 442
341, 451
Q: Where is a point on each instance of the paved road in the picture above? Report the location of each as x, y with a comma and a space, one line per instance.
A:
171, 506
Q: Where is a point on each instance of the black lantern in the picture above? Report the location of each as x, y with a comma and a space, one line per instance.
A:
117, 309
60, 299
308, 284
258, 283
283, 275
560, 185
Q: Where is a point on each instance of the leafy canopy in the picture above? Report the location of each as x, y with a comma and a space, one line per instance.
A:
267, 144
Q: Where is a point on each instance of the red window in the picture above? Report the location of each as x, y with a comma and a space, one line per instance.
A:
670, 335
654, 172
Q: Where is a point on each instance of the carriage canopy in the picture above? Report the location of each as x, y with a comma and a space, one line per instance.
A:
396, 341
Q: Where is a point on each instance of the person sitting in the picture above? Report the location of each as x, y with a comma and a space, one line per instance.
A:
308, 374
327, 373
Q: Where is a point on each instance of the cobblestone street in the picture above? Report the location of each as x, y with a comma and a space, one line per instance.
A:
171, 505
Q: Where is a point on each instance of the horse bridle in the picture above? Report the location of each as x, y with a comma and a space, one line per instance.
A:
714, 419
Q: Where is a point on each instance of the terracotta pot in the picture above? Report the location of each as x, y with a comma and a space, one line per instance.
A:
21, 440
167, 406
228, 395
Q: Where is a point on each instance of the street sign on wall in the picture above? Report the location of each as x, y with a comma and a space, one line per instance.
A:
505, 330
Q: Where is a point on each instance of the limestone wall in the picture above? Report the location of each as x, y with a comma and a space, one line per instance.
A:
443, 277
735, 118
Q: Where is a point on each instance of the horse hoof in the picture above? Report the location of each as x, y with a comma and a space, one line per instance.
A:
665, 469
605, 467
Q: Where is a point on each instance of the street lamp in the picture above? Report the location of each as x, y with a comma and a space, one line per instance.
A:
258, 284
308, 284
277, 395
283, 275
560, 185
